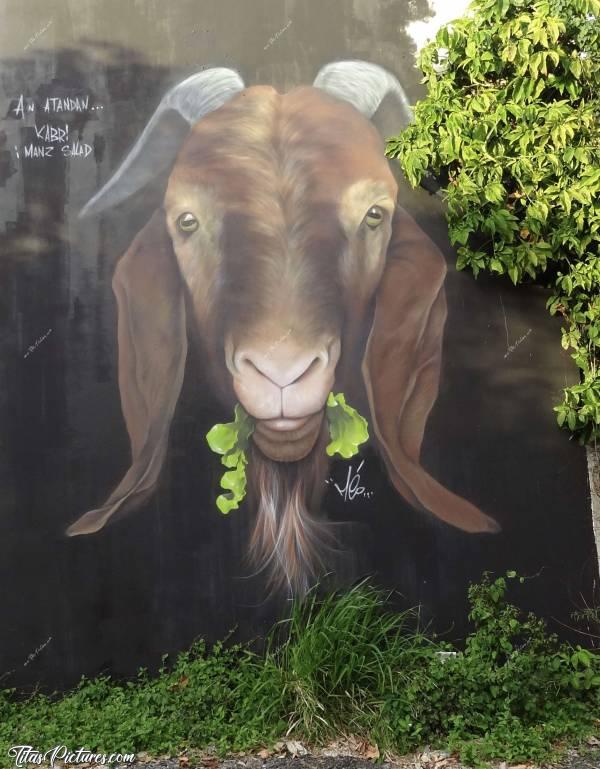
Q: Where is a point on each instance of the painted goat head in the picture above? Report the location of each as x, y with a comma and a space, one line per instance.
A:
280, 239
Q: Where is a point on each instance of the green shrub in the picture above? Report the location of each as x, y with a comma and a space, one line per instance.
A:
193, 702
511, 694
510, 125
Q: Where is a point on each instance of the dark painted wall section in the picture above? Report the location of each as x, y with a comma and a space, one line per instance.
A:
176, 569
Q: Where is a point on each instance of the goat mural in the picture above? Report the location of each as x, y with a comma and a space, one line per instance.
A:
279, 241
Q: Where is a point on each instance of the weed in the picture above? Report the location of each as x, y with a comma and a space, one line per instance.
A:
512, 693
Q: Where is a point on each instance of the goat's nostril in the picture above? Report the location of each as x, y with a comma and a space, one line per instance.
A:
248, 363
312, 366
245, 363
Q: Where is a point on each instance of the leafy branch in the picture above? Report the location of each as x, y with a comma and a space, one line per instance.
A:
510, 124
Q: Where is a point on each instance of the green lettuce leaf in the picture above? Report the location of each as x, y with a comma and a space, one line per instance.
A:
347, 428
230, 440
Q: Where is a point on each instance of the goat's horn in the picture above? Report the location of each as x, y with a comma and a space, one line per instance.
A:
364, 85
157, 147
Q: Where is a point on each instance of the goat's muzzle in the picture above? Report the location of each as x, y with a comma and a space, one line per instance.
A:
283, 382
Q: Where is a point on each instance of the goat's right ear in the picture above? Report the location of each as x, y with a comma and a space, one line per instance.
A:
152, 352
401, 370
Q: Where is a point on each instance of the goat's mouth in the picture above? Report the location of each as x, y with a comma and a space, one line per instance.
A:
287, 440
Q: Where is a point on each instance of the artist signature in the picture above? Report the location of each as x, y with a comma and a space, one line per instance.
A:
352, 487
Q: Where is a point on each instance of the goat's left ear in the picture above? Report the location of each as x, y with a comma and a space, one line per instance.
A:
401, 369
152, 353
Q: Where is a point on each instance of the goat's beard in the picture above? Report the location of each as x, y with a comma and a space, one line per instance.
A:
288, 539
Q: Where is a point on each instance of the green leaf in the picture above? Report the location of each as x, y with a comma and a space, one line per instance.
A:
235, 482
231, 440
222, 438
502, 6
494, 192
565, 200
347, 428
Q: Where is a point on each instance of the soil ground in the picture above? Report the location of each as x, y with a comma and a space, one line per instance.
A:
588, 758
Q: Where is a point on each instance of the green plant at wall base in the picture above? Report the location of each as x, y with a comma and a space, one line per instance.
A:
511, 126
341, 663
511, 693
347, 429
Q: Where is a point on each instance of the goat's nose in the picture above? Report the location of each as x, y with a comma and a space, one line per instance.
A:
282, 363
282, 366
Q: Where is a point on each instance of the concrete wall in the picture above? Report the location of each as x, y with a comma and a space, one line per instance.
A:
174, 568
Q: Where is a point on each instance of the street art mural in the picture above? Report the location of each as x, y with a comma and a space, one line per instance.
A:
236, 359
278, 231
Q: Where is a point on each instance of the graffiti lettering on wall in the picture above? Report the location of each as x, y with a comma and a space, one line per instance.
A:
281, 242
54, 136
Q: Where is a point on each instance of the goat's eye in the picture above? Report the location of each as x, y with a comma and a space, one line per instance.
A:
374, 217
187, 222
